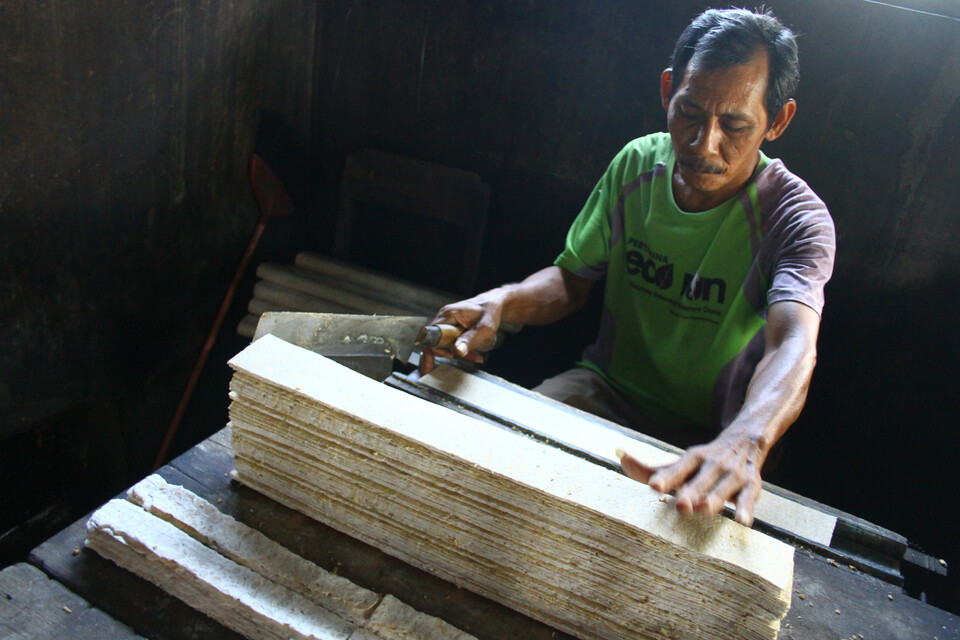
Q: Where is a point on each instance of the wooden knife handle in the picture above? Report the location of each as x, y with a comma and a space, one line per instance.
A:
444, 335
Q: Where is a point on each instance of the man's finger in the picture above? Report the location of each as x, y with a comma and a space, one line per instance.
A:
723, 491
466, 317
673, 476
426, 362
479, 338
466, 343
746, 501
635, 469
709, 478
462, 346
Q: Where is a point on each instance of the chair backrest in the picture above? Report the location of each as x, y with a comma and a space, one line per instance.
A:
426, 195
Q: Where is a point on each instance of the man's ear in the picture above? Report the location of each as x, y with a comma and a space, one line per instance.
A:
782, 120
666, 87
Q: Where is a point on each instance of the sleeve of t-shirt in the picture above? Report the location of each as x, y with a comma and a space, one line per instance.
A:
803, 261
587, 248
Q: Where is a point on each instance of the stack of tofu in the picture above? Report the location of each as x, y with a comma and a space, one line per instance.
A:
565, 541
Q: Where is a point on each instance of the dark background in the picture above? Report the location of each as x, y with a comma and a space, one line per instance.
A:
125, 205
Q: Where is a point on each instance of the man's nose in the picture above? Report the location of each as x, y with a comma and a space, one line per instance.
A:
707, 142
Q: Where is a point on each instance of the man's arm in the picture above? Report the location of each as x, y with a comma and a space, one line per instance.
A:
728, 468
544, 297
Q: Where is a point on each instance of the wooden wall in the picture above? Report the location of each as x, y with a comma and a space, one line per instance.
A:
126, 129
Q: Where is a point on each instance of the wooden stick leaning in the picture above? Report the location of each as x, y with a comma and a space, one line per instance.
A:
565, 541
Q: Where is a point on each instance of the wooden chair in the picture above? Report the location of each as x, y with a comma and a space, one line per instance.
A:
436, 210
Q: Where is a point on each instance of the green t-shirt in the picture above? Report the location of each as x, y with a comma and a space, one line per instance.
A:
686, 294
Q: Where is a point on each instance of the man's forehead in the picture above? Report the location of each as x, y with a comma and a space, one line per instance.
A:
750, 76
701, 64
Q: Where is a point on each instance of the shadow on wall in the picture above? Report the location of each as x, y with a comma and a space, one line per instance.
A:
878, 437
62, 467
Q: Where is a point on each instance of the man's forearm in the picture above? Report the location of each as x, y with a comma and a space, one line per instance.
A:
542, 298
778, 389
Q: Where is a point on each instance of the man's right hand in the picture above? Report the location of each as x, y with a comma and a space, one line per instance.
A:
479, 317
542, 298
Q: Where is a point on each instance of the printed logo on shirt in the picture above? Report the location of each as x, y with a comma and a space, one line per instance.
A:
697, 288
659, 275
652, 268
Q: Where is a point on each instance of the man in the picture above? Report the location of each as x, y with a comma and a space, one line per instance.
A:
714, 259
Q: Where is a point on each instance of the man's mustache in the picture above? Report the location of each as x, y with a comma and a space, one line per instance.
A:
700, 165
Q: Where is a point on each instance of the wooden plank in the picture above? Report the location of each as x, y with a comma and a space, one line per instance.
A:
146, 608
250, 548
258, 307
384, 617
247, 326
338, 292
34, 607
136, 602
233, 594
836, 601
120, 593
540, 530
563, 424
369, 279
290, 299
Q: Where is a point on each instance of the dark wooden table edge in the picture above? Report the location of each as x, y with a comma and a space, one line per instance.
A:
865, 604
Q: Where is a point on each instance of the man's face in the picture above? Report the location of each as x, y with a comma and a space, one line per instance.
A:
717, 120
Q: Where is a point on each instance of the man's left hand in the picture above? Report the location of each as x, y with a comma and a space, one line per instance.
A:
707, 476
728, 468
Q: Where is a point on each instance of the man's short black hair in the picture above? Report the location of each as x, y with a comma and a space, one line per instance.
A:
723, 38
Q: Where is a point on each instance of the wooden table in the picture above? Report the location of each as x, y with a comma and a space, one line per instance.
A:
829, 601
